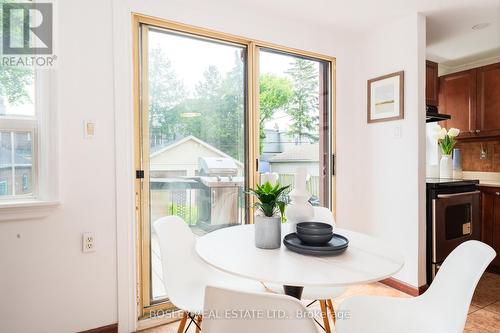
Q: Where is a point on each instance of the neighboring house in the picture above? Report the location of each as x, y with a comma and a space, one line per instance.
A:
304, 155
180, 158
170, 167
23, 172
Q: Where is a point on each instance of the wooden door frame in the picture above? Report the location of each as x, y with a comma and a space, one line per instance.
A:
252, 136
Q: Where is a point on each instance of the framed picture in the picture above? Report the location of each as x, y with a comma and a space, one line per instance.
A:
386, 97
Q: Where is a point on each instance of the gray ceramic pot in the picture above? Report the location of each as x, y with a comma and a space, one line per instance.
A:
267, 232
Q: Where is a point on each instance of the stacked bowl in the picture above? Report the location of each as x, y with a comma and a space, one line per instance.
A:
314, 233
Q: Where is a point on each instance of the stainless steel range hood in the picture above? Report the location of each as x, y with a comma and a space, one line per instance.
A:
432, 115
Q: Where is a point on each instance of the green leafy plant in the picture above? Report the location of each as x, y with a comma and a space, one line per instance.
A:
270, 198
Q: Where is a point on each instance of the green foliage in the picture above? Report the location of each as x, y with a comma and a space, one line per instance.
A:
304, 104
218, 102
270, 198
14, 81
166, 92
188, 214
275, 93
447, 144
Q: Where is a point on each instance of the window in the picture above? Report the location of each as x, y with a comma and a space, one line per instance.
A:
18, 132
212, 111
294, 124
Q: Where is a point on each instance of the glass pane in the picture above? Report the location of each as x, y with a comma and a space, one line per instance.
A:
294, 109
197, 135
5, 163
23, 162
17, 91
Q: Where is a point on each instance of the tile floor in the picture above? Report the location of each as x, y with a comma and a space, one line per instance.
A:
484, 312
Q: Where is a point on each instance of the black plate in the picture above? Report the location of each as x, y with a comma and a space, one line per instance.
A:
336, 245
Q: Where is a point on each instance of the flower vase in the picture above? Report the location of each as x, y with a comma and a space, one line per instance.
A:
299, 210
446, 167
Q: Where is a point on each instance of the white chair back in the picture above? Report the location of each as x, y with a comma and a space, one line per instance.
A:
442, 308
323, 214
229, 311
182, 268
451, 291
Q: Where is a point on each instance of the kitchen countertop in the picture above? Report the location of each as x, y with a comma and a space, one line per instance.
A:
485, 178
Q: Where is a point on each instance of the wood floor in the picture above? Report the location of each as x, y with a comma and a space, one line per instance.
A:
484, 312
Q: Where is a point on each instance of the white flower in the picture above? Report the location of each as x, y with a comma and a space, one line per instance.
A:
436, 131
453, 132
442, 133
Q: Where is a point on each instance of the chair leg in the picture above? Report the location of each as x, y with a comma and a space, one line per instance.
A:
324, 314
198, 321
332, 310
183, 322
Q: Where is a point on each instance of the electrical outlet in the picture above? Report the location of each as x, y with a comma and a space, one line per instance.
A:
88, 242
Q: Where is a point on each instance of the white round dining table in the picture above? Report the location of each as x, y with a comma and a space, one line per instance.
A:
232, 250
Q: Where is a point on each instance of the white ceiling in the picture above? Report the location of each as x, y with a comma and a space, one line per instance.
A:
452, 42
450, 37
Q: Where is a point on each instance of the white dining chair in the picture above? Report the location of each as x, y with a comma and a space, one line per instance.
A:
230, 311
185, 275
442, 308
323, 295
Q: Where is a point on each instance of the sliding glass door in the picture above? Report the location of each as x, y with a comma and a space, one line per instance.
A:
212, 113
295, 120
193, 138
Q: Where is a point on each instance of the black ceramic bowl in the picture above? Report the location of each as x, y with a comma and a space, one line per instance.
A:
314, 228
315, 239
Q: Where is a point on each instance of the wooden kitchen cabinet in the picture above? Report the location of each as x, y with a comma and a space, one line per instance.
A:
457, 97
488, 100
490, 222
472, 98
431, 83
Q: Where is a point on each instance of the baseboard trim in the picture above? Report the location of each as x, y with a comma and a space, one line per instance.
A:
404, 287
113, 328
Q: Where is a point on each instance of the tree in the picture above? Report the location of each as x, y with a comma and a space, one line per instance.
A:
220, 100
166, 93
304, 105
14, 81
275, 93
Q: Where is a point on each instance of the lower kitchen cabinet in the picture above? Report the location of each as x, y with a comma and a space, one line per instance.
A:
490, 214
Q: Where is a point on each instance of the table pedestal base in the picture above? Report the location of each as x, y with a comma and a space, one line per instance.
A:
293, 291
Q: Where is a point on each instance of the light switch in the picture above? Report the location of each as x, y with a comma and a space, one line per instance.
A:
89, 128
397, 131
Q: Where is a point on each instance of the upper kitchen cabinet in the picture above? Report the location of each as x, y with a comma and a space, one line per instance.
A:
431, 83
488, 100
457, 97
472, 98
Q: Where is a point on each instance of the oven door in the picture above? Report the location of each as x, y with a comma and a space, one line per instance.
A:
455, 219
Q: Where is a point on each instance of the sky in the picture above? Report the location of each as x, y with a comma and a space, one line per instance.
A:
190, 57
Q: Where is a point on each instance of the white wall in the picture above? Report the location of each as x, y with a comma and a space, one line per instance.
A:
48, 285
380, 183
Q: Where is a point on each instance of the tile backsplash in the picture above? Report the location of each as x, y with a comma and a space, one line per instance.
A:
471, 155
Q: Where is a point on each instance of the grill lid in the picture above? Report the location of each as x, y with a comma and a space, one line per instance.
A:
217, 166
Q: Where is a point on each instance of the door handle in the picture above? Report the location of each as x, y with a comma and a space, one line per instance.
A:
444, 196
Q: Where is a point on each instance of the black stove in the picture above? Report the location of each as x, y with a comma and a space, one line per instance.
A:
452, 218
447, 182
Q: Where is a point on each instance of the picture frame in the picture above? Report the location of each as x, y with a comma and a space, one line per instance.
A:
385, 99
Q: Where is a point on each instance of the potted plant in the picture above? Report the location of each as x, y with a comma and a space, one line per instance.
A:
270, 212
446, 141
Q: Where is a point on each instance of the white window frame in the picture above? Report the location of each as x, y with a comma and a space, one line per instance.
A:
45, 152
